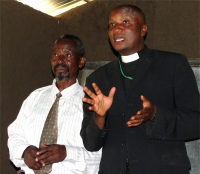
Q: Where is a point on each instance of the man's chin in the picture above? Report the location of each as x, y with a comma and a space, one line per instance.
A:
62, 78
123, 51
119, 48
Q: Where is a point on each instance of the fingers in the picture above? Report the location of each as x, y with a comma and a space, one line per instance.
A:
43, 152
51, 154
134, 123
43, 146
88, 100
91, 102
136, 120
29, 158
45, 158
148, 108
98, 102
143, 98
31, 163
96, 88
112, 92
40, 162
145, 101
97, 92
140, 117
36, 166
90, 93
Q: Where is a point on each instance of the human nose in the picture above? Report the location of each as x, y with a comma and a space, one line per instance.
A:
61, 58
118, 28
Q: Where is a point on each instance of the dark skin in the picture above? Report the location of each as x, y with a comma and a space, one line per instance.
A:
127, 29
64, 52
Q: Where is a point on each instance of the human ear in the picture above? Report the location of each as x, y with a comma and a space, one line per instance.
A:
82, 62
143, 30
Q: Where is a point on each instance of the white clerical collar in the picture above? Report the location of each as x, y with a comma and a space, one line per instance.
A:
130, 58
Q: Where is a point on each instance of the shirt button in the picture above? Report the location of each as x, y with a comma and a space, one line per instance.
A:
123, 143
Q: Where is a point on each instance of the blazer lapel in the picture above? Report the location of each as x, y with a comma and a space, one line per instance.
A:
116, 79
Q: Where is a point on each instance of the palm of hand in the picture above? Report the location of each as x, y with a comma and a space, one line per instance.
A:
101, 104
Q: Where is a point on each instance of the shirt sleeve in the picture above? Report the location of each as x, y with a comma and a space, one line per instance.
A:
88, 162
17, 142
92, 161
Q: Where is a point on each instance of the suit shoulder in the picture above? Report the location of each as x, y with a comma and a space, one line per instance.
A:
167, 54
169, 59
101, 71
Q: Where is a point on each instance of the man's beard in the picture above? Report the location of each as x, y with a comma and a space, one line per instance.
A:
60, 76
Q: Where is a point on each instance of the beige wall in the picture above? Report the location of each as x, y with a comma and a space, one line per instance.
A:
27, 35
172, 26
26, 39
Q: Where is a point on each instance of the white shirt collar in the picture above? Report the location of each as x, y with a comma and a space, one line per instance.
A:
130, 58
69, 91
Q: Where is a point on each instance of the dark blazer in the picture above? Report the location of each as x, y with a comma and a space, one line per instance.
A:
158, 147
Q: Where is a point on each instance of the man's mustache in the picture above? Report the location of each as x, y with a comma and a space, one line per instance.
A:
62, 65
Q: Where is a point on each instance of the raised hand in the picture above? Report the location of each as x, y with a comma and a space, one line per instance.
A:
146, 113
98, 101
50, 154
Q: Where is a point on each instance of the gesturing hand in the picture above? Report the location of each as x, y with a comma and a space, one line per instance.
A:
146, 113
99, 102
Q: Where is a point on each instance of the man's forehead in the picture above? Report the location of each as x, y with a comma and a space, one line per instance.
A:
64, 41
64, 44
126, 9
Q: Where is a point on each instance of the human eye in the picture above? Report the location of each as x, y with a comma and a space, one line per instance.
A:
55, 55
126, 21
111, 25
67, 56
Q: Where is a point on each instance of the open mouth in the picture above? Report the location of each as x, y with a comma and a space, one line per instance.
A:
118, 39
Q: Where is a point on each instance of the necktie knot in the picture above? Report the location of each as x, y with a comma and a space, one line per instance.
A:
58, 95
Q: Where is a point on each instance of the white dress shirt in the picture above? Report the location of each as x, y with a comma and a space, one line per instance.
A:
27, 128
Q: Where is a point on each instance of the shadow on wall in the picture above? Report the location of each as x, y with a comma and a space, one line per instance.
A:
193, 147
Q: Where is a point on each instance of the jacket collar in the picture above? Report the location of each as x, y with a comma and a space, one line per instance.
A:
144, 63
